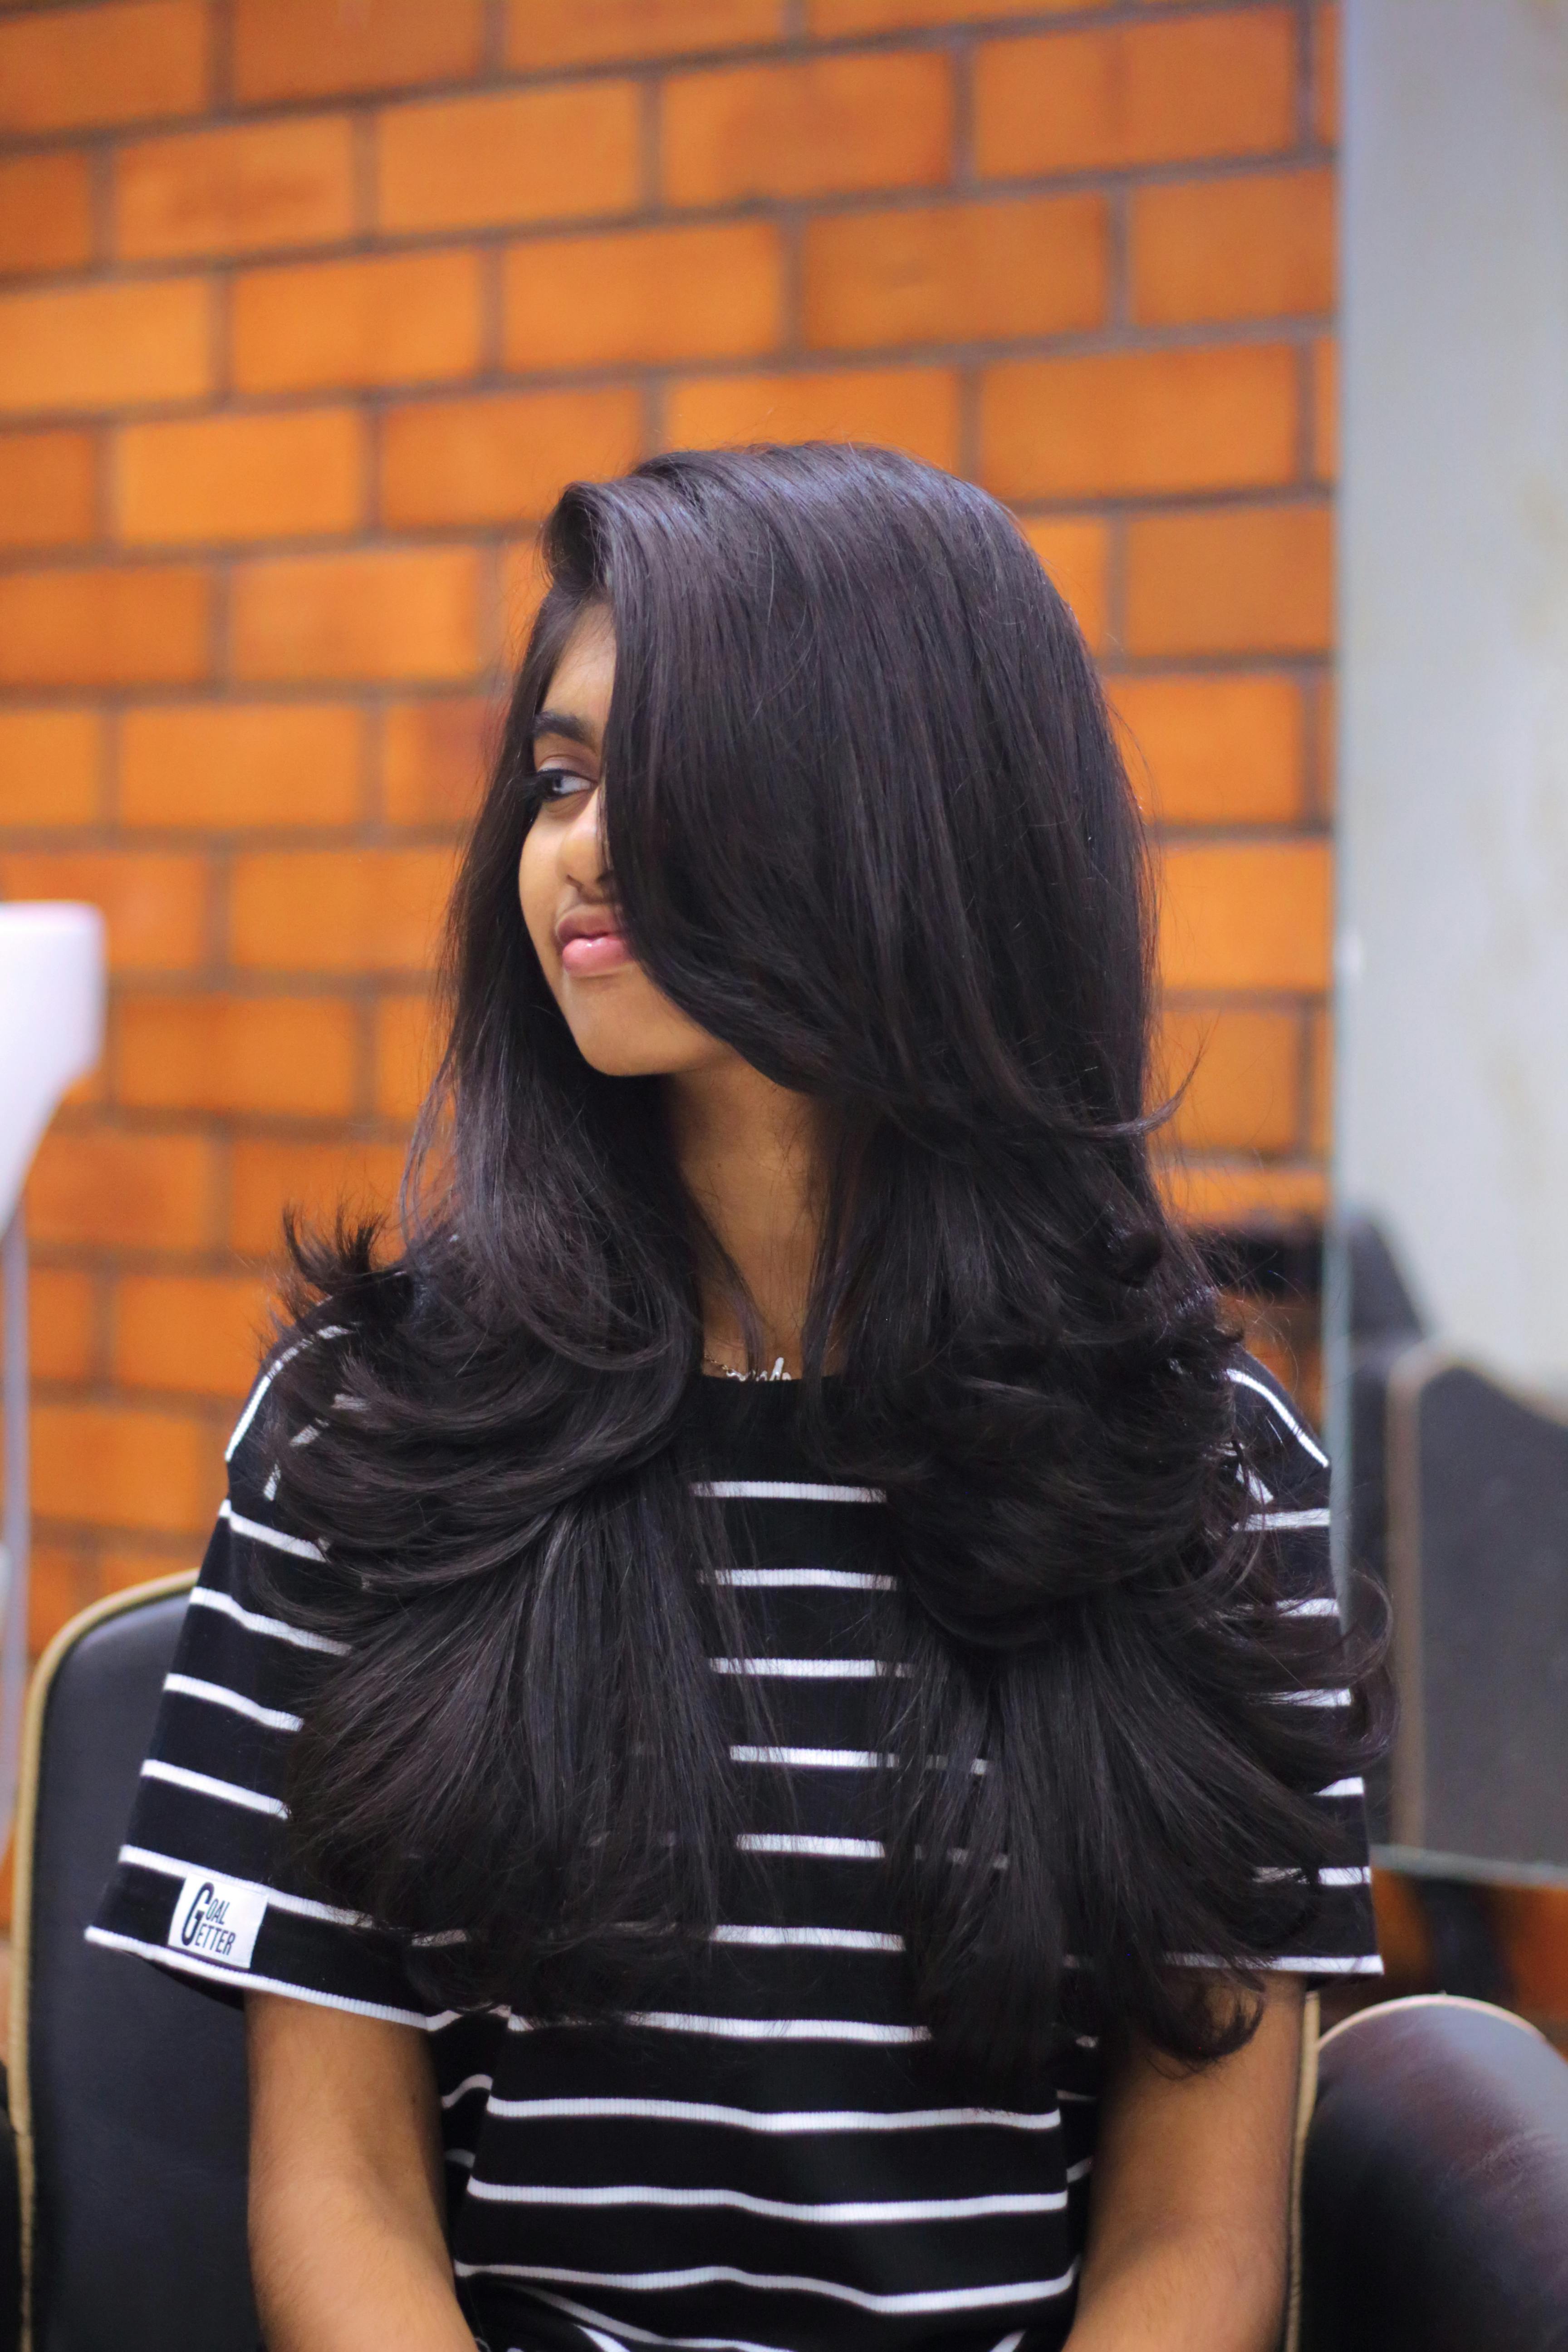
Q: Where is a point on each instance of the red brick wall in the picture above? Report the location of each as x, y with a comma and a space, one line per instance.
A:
308, 306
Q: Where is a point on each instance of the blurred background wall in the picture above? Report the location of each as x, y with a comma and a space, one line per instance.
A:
310, 308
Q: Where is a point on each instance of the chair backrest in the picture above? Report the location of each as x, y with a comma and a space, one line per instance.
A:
1434, 2205
128, 2091
1477, 1490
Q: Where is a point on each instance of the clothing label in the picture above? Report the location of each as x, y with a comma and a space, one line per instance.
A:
217, 1918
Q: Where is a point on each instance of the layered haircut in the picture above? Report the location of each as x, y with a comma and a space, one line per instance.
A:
868, 825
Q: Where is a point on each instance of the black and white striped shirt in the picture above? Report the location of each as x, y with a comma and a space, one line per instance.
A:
786, 2163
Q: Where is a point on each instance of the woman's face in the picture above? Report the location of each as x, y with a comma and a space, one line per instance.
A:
621, 1022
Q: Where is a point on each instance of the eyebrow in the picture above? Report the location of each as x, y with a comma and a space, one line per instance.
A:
566, 724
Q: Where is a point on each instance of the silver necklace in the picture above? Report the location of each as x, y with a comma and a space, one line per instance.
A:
727, 1372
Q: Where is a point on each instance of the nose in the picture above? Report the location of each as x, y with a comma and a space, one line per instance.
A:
584, 861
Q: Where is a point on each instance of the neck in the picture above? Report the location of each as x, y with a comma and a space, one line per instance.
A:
748, 1153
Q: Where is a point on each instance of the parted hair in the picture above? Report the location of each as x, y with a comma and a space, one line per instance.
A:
867, 823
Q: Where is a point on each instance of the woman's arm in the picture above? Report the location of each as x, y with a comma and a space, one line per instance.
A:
346, 2243
1188, 2216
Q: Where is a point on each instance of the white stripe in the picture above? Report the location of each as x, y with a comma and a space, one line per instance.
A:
957, 2298
1281, 1522
786, 2122
219, 1694
303, 1906
1355, 1787
827, 1848
820, 1759
1080, 2170
1313, 1698
464, 2156
204, 1784
1245, 1381
203, 1596
469, 2083
828, 1939
1344, 1877
1009, 2342
778, 1579
1323, 1605
260, 1533
169, 1957
774, 2208
1298, 1964
809, 1670
785, 1490
776, 2029
628, 2332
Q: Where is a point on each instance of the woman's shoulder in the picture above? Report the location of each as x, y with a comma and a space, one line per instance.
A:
1281, 1449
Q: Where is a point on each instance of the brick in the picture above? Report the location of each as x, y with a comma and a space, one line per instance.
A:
604, 32
232, 477
339, 910
833, 124
407, 1050
907, 408
62, 1323
1320, 1084
644, 294
826, 20
957, 273
1076, 552
1254, 245
105, 346
272, 1054
46, 212
236, 191
1245, 915
139, 626
503, 459
122, 1466
436, 759
1241, 1070
315, 1179
523, 580
154, 904
1241, 1193
1136, 423
297, 48
201, 1333
1326, 74
128, 63
1214, 751
58, 1589
121, 1566
1325, 409
390, 613
49, 763
1323, 734
49, 488
233, 766
1257, 580
1133, 95
536, 154
103, 1190
403, 318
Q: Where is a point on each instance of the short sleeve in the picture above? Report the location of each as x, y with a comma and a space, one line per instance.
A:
1288, 1472
202, 1885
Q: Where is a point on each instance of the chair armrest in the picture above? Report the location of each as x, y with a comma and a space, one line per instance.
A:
1435, 2194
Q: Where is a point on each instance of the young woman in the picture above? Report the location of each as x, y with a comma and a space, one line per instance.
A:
764, 1733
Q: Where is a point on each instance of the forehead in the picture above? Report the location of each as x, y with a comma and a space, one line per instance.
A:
584, 677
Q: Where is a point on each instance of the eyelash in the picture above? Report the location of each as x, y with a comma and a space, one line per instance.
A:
543, 777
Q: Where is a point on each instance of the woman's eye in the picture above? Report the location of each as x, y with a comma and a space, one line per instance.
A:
559, 783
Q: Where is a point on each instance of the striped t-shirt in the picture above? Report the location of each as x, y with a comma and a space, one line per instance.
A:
786, 2162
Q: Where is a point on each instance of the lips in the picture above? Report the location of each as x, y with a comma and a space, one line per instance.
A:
591, 941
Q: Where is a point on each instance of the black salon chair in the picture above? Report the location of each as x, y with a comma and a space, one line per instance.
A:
127, 2093
1434, 2213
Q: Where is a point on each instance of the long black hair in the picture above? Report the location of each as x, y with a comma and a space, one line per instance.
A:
867, 823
